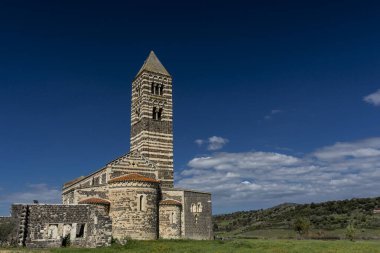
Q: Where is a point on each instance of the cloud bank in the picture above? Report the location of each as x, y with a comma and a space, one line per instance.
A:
254, 179
41, 192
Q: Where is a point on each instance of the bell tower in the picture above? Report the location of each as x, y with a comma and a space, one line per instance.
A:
152, 117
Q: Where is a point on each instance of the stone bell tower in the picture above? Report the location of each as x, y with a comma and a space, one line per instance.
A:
152, 117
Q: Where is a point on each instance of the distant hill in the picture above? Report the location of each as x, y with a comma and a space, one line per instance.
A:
329, 215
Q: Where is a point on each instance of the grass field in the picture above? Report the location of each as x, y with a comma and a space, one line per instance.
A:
241, 245
368, 234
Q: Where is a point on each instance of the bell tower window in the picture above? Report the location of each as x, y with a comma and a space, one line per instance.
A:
157, 89
156, 114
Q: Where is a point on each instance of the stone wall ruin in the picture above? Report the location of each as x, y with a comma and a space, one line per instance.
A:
42, 226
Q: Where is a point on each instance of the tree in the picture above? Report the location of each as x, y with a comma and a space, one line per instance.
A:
350, 231
6, 230
302, 226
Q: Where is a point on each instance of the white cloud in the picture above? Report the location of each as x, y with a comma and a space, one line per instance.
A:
40, 192
199, 142
213, 143
373, 98
248, 180
272, 113
344, 150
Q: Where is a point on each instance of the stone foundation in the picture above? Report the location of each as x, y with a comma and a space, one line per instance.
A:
42, 226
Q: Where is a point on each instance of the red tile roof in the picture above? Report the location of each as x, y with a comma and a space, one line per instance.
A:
170, 202
94, 201
133, 177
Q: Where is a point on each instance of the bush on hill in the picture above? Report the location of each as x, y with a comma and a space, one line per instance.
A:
327, 215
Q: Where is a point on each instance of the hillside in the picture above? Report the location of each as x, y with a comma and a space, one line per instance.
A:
326, 216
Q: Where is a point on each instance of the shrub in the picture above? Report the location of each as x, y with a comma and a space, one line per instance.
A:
302, 226
350, 231
6, 230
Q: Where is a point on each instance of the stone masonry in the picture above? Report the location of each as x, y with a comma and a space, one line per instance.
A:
43, 226
132, 196
134, 209
152, 117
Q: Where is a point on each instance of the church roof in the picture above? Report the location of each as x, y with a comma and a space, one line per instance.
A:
94, 201
153, 64
119, 160
133, 154
133, 177
170, 202
73, 181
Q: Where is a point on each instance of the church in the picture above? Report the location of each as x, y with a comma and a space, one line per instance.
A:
132, 196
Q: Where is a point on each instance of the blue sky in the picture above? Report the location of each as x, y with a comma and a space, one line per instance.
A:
274, 101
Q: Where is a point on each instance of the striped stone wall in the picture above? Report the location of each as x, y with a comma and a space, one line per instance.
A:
153, 138
95, 185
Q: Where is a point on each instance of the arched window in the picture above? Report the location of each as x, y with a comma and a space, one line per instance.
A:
199, 207
193, 208
156, 114
141, 202
157, 90
196, 219
159, 113
172, 218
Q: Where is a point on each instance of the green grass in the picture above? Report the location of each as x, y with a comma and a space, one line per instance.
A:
233, 246
291, 234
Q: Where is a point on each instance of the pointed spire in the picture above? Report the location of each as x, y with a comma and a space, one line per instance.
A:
153, 64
